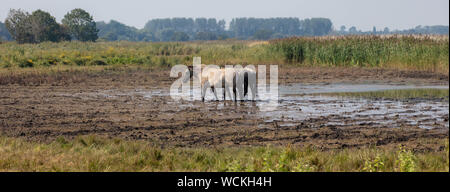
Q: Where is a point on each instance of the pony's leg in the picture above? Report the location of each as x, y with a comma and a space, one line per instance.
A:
253, 92
234, 92
213, 89
240, 90
224, 92
245, 84
205, 85
224, 89
234, 88
253, 89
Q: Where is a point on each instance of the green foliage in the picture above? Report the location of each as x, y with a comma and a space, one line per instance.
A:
183, 29
81, 25
206, 36
406, 160
245, 28
263, 34
4, 34
234, 166
315, 27
241, 28
287, 156
421, 53
165, 34
116, 31
268, 165
26, 63
303, 166
375, 165
45, 28
18, 24
38, 27
179, 36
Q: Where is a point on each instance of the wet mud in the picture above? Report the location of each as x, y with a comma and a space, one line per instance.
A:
135, 104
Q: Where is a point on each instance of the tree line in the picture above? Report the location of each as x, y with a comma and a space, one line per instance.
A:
40, 26
185, 29
4, 34
431, 30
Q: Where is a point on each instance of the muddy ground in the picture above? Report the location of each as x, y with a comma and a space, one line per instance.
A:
114, 103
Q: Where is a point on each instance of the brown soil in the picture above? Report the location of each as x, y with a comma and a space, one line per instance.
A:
45, 106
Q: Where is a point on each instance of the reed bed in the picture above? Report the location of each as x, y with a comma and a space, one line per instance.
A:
425, 53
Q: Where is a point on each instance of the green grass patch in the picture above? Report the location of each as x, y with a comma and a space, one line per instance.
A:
91, 153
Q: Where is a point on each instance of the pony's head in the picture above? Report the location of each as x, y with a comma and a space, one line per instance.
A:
188, 74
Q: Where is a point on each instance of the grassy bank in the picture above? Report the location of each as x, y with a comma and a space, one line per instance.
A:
90, 153
410, 52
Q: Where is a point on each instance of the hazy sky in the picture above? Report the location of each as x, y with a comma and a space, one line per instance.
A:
364, 14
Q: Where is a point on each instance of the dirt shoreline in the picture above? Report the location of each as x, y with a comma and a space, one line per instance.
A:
44, 107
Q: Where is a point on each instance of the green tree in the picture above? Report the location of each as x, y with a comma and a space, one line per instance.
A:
4, 34
263, 34
352, 30
316, 26
116, 31
18, 24
165, 34
179, 36
206, 36
63, 33
182, 29
81, 25
45, 28
245, 28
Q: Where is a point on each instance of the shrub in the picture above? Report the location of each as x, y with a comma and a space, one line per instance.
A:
405, 160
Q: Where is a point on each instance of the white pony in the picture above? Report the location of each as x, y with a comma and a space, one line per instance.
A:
212, 76
244, 78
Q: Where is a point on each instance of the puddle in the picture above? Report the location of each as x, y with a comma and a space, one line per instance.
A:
352, 111
301, 102
295, 89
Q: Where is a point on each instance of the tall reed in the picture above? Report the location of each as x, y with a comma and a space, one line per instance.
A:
406, 52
